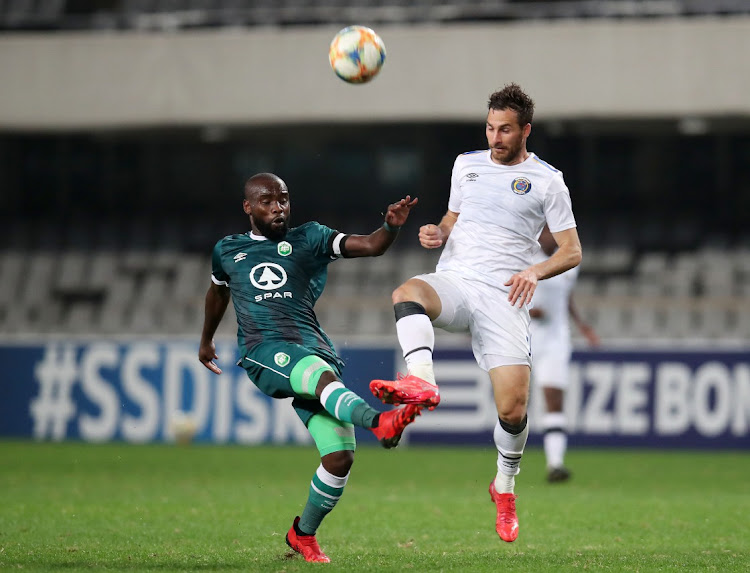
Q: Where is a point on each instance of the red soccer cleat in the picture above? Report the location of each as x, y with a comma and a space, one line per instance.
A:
391, 424
507, 521
406, 390
305, 545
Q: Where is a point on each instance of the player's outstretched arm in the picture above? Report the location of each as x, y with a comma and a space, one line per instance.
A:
377, 242
217, 299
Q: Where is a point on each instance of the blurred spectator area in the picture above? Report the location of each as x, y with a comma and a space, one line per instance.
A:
188, 14
112, 232
627, 295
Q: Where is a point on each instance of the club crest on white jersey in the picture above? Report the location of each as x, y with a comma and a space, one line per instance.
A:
521, 186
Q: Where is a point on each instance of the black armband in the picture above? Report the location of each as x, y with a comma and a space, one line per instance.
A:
342, 246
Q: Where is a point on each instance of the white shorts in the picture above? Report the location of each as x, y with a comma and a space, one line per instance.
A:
550, 366
550, 356
499, 331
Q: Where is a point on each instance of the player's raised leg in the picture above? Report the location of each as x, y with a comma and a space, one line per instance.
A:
414, 303
314, 374
510, 385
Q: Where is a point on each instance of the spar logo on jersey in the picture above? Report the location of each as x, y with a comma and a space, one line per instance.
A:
269, 276
521, 186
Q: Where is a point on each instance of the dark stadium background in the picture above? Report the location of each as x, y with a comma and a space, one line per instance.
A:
108, 223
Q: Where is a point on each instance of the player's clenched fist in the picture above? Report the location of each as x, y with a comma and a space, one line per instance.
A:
430, 236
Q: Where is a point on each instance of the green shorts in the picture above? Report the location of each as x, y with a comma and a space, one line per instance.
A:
269, 366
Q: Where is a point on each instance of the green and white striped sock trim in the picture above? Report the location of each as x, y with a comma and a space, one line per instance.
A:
328, 485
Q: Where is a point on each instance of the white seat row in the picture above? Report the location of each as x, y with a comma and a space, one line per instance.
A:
137, 292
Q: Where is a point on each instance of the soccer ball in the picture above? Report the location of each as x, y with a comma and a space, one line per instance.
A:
356, 54
183, 427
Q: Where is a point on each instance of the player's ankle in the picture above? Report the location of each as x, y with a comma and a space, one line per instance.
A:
423, 371
505, 483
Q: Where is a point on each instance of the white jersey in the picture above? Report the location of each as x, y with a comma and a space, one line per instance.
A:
551, 297
502, 210
550, 335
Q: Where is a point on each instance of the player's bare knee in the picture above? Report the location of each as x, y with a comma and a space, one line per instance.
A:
325, 379
401, 294
412, 290
513, 418
511, 412
513, 424
338, 463
553, 398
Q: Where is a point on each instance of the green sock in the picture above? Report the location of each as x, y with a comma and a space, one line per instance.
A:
345, 405
325, 491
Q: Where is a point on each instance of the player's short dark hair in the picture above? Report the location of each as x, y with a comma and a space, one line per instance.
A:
513, 97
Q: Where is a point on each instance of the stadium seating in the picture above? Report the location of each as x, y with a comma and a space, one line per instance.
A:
86, 276
187, 14
697, 295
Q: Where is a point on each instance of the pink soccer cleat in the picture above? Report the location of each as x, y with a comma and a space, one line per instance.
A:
506, 524
391, 424
306, 545
406, 390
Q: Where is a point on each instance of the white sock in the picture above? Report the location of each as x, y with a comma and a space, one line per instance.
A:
509, 452
504, 484
423, 371
329, 479
554, 448
555, 438
417, 339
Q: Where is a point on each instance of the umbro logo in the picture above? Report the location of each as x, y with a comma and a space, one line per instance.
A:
472, 176
240, 257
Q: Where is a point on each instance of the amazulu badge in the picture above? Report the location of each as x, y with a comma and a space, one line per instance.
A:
281, 358
284, 249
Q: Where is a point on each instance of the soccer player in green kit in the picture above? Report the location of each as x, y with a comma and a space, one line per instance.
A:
274, 275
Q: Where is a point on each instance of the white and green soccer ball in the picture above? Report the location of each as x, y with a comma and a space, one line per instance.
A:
356, 54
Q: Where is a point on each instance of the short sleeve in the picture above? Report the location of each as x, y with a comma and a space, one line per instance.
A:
324, 241
558, 209
218, 275
454, 201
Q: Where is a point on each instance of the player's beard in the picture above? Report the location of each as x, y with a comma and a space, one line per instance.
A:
510, 155
274, 232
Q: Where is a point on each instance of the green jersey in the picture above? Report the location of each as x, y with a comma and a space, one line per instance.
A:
275, 285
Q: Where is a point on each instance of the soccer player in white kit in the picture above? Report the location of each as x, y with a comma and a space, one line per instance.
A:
551, 349
500, 199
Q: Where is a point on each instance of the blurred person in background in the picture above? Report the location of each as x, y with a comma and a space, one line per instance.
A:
275, 274
500, 199
551, 349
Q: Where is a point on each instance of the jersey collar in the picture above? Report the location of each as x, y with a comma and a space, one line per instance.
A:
489, 160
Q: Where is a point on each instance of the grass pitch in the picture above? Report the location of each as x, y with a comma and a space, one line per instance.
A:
81, 507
